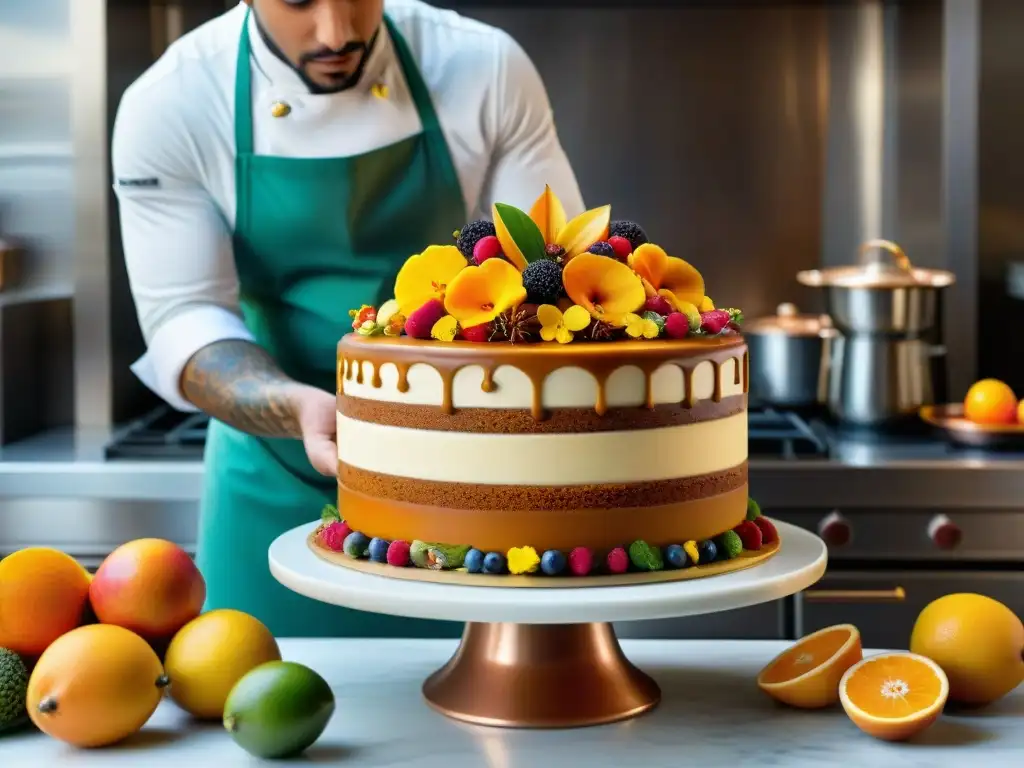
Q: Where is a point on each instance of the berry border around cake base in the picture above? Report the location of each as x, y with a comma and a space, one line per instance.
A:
746, 559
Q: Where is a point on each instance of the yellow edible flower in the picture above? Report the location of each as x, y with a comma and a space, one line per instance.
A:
638, 327
426, 276
523, 560
445, 329
558, 326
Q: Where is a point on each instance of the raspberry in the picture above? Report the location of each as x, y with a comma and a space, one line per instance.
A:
621, 245
581, 561
618, 560
480, 332
486, 248
750, 535
768, 533
554, 252
420, 322
661, 306
714, 321
676, 326
398, 554
333, 536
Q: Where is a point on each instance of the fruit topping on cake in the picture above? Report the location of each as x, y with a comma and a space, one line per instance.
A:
538, 276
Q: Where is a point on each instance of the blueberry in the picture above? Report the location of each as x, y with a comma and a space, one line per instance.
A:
494, 563
675, 556
379, 550
552, 562
707, 551
355, 544
474, 561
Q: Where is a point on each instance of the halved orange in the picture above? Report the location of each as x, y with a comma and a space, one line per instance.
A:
893, 696
807, 674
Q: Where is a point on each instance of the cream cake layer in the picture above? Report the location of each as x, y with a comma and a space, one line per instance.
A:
623, 456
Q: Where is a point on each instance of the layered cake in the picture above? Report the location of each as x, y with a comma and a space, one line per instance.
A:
544, 397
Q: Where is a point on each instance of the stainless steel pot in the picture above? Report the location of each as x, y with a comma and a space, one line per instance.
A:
886, 361
789, 355
879, 296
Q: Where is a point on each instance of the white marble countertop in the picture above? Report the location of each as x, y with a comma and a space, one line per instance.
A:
711, 714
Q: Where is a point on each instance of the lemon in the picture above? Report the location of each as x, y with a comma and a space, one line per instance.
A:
978, 642
210, 654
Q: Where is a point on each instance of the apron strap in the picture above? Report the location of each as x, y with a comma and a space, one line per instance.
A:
243, 93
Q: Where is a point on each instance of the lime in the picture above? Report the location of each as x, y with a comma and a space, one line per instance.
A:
278, 710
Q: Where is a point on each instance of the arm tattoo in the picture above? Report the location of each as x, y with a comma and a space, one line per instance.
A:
238, 383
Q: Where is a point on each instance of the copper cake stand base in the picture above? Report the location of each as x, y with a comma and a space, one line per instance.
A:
540, 676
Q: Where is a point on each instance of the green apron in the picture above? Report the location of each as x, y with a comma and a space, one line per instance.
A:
313, 238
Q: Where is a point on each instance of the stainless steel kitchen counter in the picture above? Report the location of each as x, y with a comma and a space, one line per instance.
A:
860, 473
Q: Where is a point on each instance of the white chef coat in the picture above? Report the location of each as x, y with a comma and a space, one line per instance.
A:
173, 155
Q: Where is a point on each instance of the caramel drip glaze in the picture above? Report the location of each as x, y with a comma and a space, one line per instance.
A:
538, 361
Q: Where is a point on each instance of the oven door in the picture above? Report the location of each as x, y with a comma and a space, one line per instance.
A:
884, 605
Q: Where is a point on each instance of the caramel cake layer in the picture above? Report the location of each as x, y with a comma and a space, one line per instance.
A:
500, 529
540, 378
544, 497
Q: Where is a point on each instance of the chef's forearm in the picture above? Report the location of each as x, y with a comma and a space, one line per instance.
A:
238, 383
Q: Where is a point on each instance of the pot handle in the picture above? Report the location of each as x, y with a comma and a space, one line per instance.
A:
898, 256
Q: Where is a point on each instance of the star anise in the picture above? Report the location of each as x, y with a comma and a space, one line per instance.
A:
598, 330
519, 325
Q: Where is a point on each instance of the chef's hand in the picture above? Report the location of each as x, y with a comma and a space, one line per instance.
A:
317, 414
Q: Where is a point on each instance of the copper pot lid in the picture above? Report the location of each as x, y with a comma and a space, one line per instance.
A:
877, 272
788, 320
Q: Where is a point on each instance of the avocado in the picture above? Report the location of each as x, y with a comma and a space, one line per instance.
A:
278, 710
13, 690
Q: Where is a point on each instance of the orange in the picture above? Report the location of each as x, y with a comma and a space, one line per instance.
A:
893, 696
807, 674
43, 594
990, 401
95, 686
1020, 412
978, 642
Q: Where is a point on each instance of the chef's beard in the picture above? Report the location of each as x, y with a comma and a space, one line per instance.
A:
341, 82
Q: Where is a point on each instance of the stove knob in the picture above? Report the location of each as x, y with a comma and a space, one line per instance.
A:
944, 533
835, 530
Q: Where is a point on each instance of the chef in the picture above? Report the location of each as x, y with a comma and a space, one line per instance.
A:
274, 168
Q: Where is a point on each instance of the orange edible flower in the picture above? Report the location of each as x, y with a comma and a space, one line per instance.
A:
606, 288
477, 295
575, 235
426, 276
677, 281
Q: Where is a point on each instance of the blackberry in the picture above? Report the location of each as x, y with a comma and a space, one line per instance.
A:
629, 230
467, 237
602, 248
543, 282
